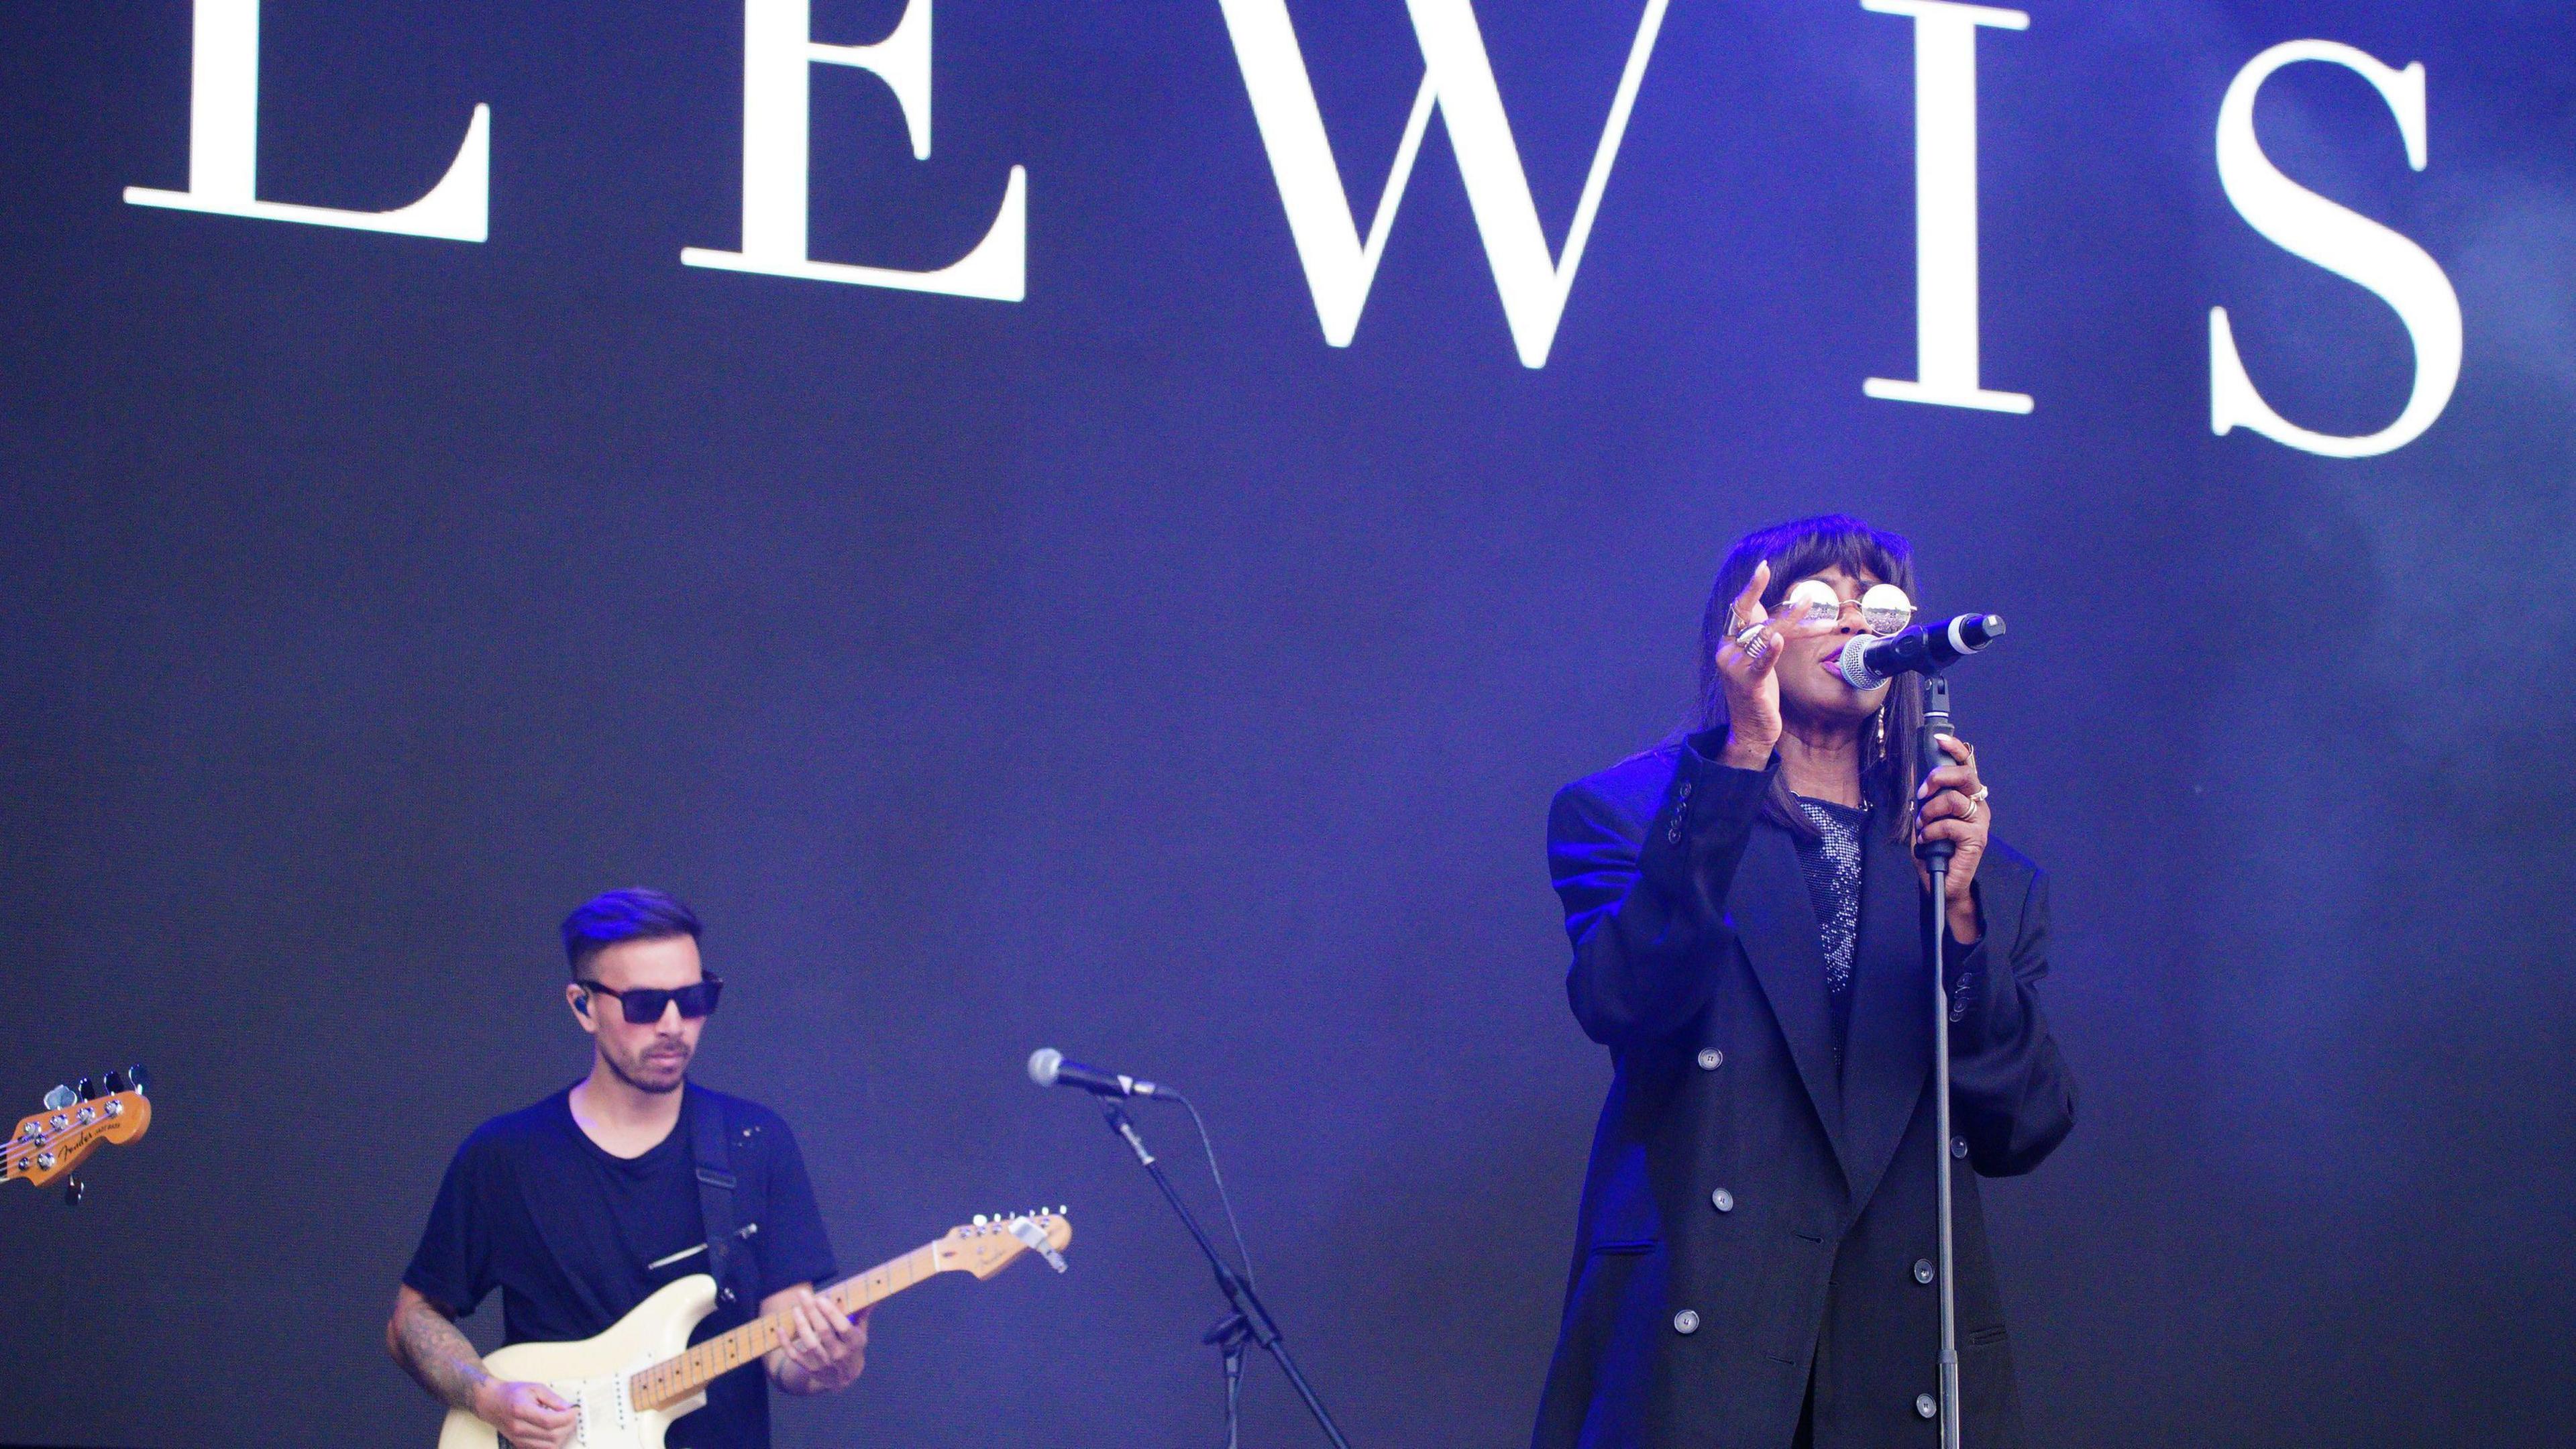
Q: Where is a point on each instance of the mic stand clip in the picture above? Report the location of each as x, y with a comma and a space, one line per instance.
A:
1229, 1336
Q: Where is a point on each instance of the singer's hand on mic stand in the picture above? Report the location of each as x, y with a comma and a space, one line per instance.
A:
1945, 813
1751, 678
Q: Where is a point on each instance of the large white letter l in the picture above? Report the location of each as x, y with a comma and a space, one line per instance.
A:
223, 147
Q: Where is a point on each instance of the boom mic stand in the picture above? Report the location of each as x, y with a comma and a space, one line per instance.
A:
1936, 861
1250, 1318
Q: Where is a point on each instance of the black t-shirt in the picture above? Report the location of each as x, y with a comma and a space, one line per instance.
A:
574, 1238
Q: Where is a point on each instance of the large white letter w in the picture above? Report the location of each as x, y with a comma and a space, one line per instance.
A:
1459, 80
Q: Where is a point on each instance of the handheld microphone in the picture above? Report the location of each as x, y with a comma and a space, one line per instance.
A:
1926, 648
1048, 1068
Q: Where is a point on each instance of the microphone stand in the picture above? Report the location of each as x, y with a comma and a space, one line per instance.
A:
1936, 861
1251, 1319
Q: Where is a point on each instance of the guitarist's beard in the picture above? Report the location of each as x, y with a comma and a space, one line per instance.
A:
661, 1068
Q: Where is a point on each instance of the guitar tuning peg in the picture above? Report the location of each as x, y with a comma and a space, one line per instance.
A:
118, 1082
73, 1191
134, 1077
60, 1097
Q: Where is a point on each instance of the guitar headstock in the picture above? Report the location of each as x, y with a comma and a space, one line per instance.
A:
54, 1141
987, 1245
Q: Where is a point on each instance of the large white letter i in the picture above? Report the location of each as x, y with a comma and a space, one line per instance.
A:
1945, 206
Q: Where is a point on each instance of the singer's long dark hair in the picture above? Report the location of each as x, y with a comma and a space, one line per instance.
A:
1797, 549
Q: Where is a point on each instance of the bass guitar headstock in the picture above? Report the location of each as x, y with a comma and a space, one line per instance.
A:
75, 1122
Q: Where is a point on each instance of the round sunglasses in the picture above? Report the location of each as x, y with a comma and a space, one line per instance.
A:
1812, 603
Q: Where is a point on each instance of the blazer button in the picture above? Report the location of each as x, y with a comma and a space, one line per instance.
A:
1927, 1406
1710, 1059
1922, 1270
1722, 1200
1686, 1321
1958, 1147
1686, 789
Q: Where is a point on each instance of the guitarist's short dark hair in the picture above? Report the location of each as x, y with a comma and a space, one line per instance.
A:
633, 914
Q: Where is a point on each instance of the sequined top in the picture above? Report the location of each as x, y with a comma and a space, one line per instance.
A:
1831, 861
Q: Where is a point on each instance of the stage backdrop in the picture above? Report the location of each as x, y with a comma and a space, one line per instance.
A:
1107, 532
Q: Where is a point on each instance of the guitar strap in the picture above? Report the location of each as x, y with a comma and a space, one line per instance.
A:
727, 1257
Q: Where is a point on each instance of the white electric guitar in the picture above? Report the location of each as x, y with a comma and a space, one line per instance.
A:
629, 1383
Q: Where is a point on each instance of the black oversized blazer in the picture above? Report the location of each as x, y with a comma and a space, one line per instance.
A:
1753, 1208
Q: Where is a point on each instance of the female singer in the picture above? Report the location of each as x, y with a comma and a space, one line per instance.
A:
1757, 1250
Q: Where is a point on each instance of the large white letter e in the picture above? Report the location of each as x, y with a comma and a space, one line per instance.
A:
778, 55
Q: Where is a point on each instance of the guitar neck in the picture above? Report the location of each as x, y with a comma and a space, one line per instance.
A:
674, 1379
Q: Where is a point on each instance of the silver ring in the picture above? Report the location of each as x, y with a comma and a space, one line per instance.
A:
1977, 804
1749, 638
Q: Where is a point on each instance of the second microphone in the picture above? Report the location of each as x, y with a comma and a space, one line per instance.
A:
1048, 1068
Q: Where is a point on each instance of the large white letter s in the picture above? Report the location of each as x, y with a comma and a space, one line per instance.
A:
2343, 242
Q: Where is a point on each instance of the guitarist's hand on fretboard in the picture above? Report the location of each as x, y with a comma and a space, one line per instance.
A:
824, 1349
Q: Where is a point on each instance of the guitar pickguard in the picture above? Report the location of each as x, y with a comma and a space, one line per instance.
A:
608, 1421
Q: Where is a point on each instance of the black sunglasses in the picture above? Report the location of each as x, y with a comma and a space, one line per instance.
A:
644, 1005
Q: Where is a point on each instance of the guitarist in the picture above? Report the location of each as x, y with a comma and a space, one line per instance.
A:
579, 1207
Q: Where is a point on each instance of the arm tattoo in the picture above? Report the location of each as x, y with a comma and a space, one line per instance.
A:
434, 1353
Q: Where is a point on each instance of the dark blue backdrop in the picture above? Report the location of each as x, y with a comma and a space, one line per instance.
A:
1128, 670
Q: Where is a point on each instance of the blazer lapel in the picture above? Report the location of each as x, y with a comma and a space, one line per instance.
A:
1777, 926
1890, 1052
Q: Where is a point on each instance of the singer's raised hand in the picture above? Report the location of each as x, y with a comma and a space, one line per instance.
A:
1751, 678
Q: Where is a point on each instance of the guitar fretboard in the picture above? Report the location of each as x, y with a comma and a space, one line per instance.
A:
674, 1379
